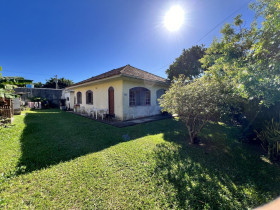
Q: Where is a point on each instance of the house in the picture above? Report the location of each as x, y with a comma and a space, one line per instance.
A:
126, 93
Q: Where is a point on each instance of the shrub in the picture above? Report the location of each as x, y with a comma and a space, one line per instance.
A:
270, 138
38, 99
196, 102
255, 118
4, 122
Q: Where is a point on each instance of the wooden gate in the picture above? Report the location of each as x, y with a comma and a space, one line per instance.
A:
6, 110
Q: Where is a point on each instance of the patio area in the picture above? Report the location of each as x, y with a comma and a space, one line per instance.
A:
126, 123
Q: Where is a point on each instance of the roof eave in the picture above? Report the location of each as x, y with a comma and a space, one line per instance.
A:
152, 81
93, 82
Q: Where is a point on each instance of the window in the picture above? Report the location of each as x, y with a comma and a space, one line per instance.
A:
132, 101
160, 92
79, 98
148, 97
89, 97
139, 96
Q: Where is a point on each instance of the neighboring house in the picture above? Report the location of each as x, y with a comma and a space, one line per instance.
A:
68, 95
127, 93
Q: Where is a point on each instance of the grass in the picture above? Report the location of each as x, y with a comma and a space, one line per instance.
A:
54, 159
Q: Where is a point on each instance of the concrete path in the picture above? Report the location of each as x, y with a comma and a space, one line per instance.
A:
121, 124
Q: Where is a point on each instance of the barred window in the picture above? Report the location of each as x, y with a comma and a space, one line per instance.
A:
89, 97
79, 98
132, 101
139, 96
148, 97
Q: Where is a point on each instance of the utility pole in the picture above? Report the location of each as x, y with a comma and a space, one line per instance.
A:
56, 82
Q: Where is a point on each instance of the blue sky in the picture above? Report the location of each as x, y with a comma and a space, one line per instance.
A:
79, 39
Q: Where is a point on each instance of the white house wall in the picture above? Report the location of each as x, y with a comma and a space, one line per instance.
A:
100, 95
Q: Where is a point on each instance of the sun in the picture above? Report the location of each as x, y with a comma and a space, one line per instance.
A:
174, 18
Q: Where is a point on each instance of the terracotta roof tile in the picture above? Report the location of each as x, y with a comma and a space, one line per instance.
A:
127, 70
138, 73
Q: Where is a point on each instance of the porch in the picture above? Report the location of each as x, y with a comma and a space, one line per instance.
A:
120, 124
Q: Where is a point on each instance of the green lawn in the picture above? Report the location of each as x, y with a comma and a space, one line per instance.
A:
54, 159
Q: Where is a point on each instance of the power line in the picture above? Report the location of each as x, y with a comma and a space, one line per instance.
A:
245, 4
221, 22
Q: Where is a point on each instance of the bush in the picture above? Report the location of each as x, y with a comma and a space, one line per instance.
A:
270, 138
255, 118
38, 99
196, 102
4, 122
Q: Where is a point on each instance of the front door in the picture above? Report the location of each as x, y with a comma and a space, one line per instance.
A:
111, 101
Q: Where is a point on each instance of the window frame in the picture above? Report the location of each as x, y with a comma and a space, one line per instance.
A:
139, 96
79, 97
87, 98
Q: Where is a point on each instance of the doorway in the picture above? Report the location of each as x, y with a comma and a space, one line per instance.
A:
111, 101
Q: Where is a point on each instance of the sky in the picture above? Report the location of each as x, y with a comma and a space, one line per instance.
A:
79, 39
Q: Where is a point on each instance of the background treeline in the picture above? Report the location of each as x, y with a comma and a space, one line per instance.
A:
51, 83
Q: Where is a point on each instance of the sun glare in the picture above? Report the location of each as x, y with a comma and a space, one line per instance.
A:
174, 18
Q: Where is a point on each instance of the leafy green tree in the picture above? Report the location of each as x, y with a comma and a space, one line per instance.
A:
16, 81
265, 57
7, 84
248, 58
195, 102
38, 84
187, 63
62, 83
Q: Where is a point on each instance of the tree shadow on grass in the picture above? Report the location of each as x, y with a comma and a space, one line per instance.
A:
53, 136
220, 173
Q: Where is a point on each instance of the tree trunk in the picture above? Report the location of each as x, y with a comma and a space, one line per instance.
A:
192, 135
193, 140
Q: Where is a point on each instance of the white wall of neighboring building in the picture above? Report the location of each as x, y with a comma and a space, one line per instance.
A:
66, 94
16, 105
71, 99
